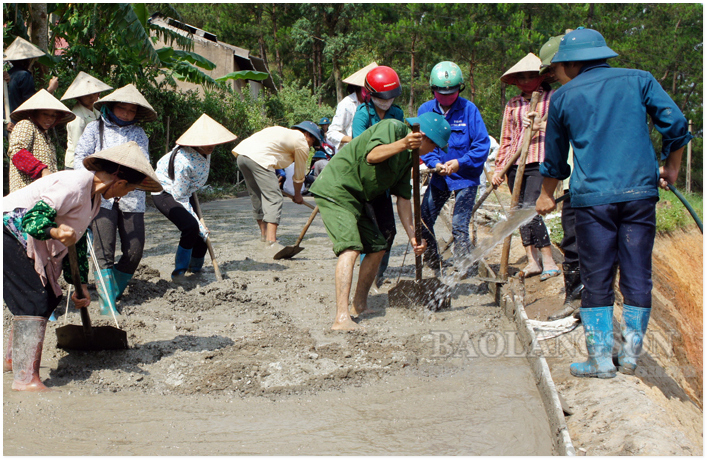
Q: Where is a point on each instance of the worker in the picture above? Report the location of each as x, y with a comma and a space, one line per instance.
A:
32, 152
20, 87
86, 90
181, 173
460, 166
383, 85
122, 113
340, 131
40, 221
380, 159
525, 75
614, 187
259, 156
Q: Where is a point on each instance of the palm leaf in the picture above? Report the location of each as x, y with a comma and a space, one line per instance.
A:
244, 75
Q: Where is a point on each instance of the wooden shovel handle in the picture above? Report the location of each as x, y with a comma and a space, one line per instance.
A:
290, 196
416, 203
306, 226
76, 279
214, 262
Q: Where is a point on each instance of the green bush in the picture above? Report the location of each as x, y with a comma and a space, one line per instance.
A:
671, 214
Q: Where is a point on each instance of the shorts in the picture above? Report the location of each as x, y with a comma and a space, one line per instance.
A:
348, 231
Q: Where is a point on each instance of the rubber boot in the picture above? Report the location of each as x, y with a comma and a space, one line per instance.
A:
106, 300
27, 342
633, 329
196, 264
121, 281
181, 264
573, 292
598, 332
7, 361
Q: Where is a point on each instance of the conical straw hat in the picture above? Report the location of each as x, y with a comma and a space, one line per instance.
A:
83, 85
22, 49
130, 95
530, 63
358, 78
206, 131
130, 155
42, 100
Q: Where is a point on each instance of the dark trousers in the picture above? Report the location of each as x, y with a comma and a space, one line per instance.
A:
533, 233
185, 222
22, 289
569, 240
618, 232
130, 226
384, 217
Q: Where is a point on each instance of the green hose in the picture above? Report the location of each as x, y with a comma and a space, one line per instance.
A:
687, 205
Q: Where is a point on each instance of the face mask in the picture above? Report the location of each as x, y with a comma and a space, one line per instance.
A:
531, 85
446, 100
365, 96
383, 104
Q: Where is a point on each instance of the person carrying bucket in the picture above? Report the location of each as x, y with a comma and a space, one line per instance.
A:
39, 222
181, 173
383, 85
602, 111
380, 159
460, 166
31, 151
259, 156
340, 131
86, 90
122, 112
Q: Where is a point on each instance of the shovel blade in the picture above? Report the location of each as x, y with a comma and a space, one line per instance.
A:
431, 293
288, 252
72, 337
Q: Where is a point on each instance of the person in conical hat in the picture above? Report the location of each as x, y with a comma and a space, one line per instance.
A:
86, 90
182, 172
340, 129
40, 222
21, 54
525, 75
31, 150
122, 111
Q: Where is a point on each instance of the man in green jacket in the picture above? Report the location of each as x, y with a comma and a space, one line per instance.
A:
377, 160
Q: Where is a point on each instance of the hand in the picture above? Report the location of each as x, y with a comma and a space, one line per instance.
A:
6, 76
297, 198
82, 303
497, 180
53, 85
45, 172
667, 176
451, 166
440, 169
545, 204
64, 234
345, 140
538, 124
419, 249
412, 141
9, 127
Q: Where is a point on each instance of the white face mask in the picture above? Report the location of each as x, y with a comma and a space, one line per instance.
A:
383, 104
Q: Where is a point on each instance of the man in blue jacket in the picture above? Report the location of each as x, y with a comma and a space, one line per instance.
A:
601, 112
461, 164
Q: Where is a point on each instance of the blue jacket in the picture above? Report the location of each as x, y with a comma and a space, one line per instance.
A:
469, 143
366, 116
602, 113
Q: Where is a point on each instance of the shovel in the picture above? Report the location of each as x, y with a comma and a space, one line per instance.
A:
408, 293
291, 251
86, 337
214, 262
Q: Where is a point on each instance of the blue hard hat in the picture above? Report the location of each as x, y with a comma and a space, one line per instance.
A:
435, 127
324, 121
312, 129
583, 45
319, 155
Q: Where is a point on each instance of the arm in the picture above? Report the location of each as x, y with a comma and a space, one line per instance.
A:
336, 134
384, 151
669, 171
183, 187
74, 129
666, 116
21, 141
405, 213
86, 145
472, 162
504, 148
546, 202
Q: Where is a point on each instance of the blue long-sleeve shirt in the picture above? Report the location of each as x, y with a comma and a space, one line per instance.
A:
602, 114
469, 144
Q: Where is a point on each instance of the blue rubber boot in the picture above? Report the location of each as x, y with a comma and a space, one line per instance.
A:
196, 264
106, 301
380, 276
598, 332
181, 264
633, 329
121, 281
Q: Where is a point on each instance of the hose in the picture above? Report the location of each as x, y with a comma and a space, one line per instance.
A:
687, 205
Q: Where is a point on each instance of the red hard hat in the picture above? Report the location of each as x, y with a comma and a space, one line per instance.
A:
383, 83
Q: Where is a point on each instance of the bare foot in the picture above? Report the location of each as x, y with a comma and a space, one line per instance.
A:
345, 323
531, 269
358, 311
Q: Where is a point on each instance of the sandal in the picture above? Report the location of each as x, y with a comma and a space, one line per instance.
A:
547, 274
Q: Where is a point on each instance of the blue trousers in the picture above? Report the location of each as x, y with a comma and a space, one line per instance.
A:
431, 206
617, 232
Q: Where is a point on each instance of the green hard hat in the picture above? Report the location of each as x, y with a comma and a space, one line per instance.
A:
446, 77
583, 45
547, 52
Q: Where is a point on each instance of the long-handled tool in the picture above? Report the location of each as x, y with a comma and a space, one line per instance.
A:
290, 196
290, 251
87, 337
409, 293
197, 209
